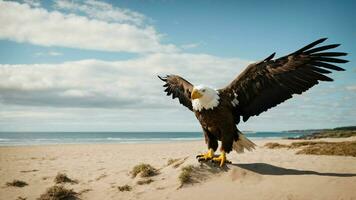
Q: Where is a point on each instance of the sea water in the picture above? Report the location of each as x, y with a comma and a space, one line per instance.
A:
40, 138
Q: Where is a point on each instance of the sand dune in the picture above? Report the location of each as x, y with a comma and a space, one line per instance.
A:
100, 169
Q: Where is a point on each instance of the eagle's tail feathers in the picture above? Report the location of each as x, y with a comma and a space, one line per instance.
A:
243, 143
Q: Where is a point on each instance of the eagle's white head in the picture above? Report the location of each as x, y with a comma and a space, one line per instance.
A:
204, 97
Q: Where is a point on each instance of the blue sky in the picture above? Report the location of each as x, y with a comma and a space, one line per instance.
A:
91, 65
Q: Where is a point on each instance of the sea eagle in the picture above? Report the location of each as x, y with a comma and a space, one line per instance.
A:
261, 86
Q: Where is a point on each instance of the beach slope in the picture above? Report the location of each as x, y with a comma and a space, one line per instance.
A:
98, 170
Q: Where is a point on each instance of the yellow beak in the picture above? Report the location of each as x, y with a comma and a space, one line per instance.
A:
196, 94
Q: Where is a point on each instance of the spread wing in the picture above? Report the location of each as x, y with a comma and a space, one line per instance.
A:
265, 84
179, 88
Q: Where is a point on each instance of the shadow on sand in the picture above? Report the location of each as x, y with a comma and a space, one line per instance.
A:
267, 169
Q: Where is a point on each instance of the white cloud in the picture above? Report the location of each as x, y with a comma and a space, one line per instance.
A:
128, 96
41, 27
103, 84
101, 10
122, 93
101, 95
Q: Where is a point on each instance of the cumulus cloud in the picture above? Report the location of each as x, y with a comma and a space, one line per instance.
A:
127, 96
104, 84
24, 23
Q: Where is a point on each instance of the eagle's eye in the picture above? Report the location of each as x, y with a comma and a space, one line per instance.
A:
203, 90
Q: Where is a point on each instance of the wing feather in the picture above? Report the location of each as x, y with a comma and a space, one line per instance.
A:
179, 88
265, 84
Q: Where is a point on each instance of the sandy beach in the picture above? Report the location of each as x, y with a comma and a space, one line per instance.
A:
101, 168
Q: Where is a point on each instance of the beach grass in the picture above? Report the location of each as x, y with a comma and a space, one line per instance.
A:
59, 193
347, 148
331, 148
275, 145
172, 160
186, 174
144, 170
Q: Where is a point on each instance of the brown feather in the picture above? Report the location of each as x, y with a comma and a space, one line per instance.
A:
178, 88
266, 84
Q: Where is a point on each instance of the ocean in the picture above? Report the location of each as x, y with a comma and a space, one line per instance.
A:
41, 138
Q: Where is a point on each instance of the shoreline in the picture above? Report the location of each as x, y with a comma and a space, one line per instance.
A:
49, 138
254, 139
152, 141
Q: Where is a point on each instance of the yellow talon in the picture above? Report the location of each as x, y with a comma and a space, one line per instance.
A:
221, 159
207, 156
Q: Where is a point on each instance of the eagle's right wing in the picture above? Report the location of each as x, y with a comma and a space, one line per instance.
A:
179, 88
268, 83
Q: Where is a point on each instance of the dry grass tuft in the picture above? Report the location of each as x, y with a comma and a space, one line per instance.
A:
124, 188
16, 183
171, 161
295, 145
63, 178
331, 148
320, 148
275, 145
186, 175
144, 182
59, 193
145, 170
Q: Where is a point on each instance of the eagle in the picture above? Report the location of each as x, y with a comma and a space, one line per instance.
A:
261, 86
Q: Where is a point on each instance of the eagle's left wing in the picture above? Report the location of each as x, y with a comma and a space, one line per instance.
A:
179, 88
268, 83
